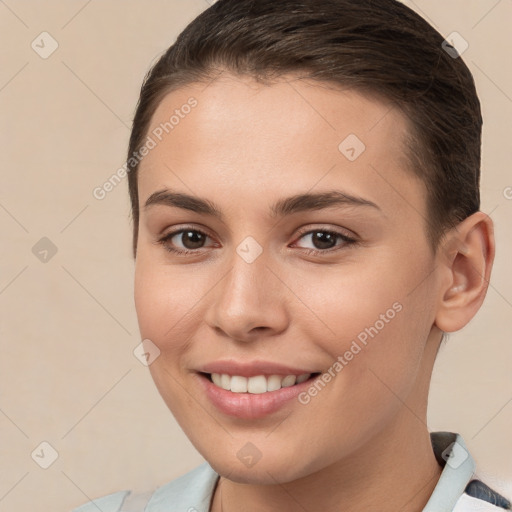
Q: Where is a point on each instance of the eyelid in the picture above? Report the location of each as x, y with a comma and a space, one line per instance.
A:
347, 239
177, 230
337, 230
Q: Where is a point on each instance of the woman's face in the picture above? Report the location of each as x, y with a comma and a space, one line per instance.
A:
307, 255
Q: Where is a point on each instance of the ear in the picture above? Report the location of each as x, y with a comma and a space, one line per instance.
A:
466, 256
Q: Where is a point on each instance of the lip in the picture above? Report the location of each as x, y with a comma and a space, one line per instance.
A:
252, 369
249, 405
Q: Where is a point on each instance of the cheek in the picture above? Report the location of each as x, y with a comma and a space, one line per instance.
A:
166, 316
374, 317
165, 302
346, 303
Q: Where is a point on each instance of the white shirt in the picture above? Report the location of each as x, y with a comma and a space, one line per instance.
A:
458, 488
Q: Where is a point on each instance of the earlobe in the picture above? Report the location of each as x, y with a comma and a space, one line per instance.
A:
466, 258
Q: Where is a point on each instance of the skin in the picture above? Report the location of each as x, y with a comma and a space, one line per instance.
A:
243, 147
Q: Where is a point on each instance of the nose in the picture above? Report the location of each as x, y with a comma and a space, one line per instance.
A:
249, 302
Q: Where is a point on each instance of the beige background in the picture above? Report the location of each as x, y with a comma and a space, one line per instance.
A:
67, 372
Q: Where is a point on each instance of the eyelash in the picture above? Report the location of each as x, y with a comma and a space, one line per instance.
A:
348, 241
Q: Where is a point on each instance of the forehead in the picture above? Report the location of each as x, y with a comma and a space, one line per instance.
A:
246, 137
282, 112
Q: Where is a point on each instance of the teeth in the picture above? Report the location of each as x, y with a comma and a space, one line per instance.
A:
258, 384
255, 384
288, 381
274, 383
225, 381
302, 378
238, 384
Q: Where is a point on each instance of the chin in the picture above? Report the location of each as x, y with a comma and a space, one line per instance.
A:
278, 469
264, 475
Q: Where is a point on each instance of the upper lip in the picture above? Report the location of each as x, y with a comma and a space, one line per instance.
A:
251, 369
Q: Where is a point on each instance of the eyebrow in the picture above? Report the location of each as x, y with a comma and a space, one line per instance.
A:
282, 207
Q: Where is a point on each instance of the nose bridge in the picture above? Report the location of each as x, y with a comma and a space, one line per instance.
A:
247, 284
248, 297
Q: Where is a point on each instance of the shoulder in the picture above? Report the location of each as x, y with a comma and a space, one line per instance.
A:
110, 503
192, 490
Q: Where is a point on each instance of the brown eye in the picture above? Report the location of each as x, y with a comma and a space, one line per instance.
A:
184, 241
323, 240
192, 239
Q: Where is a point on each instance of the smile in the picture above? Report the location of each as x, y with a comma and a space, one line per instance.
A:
253, 397
257, 384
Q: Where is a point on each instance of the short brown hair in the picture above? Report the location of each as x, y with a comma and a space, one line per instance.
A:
378, 47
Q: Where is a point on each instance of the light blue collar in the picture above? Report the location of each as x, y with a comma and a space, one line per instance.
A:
459, 467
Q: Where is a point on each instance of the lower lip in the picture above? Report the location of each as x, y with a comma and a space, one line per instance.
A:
251, 405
